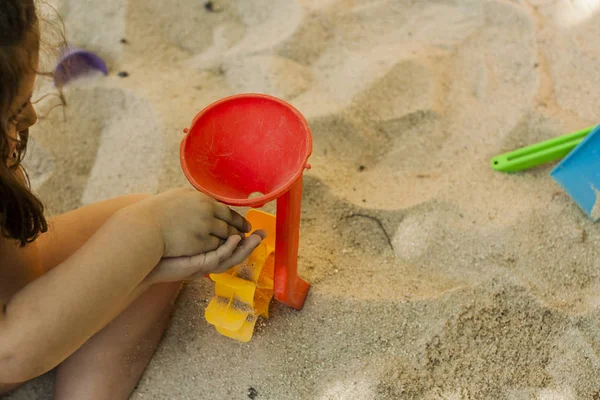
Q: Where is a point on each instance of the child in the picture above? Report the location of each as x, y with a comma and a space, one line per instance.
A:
90, 291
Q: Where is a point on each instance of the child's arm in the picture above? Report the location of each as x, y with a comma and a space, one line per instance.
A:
53, 316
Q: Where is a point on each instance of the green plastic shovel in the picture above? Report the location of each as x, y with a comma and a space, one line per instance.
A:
539, 153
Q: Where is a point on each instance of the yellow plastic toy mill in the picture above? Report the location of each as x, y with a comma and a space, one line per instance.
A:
243, 293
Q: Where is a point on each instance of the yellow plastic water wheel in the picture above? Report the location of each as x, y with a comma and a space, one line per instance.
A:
244, 293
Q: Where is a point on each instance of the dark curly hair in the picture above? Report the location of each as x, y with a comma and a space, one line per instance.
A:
21, 212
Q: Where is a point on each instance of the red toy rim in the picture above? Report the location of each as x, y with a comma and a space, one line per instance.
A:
257, 201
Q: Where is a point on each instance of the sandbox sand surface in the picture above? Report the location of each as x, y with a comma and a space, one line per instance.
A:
433, 277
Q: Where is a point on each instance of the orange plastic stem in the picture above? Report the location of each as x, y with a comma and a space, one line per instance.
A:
289, 288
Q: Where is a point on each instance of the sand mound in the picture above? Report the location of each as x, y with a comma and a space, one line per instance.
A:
432, 275
105, 147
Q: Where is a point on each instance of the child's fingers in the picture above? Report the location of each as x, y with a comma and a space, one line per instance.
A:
231, 217
260, 233
224, 251
210, 260
209, 243
223, 230
242, 252
232, 253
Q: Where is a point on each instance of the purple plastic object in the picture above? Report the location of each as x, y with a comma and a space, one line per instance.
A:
75, 62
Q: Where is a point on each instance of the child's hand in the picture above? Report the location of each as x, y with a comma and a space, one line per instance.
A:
190, 222
217, 261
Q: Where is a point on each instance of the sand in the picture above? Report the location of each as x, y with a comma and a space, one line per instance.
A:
433, 277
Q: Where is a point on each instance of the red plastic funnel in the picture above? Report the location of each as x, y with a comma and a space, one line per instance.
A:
254, 143
246, 144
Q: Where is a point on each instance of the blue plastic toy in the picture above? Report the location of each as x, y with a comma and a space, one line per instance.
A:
579, 174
